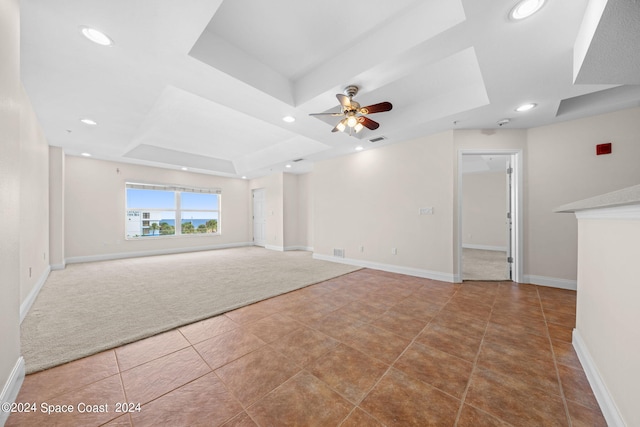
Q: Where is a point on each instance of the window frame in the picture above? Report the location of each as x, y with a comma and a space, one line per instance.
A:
176, 209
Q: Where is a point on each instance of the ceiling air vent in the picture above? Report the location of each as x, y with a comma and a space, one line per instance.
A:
297, 160
380, 138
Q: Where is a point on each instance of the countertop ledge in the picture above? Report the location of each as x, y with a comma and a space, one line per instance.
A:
626, 196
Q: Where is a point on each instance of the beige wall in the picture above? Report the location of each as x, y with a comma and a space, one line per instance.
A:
287, 209
10, 109
562, 167
34, 202
371, 199
94, 210
484, 208
56, 207
607, 315
305, 210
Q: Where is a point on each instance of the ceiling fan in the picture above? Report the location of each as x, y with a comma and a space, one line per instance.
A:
354, 116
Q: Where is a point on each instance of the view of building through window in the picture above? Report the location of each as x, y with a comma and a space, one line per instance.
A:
154, 210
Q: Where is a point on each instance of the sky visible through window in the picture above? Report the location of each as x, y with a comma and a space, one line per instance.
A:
155, 199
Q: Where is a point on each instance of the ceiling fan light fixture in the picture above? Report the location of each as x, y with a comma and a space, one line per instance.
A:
357, 128
525, 8
96, 36
352, 121
342, 125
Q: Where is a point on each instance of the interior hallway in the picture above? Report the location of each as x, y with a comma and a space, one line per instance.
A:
367, 348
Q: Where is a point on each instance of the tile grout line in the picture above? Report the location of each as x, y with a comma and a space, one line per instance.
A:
555, 362
475, 364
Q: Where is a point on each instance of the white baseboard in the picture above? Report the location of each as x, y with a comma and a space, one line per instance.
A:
274, 248
604, 398
485, 247
417, 272
551, 282
124, 255
12, 387
298, 248
29, 300
55, 267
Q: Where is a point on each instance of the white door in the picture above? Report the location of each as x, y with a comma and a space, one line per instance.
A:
259, 217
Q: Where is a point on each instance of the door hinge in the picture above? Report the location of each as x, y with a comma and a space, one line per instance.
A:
509, 171
508, 215
510, 259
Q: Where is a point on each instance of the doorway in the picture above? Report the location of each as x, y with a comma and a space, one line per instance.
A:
259, 217
489, 220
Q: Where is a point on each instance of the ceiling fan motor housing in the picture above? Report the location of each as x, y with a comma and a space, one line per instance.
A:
351, 91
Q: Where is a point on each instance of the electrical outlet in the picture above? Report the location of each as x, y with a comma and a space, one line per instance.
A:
361, 248
426, 211
394, 251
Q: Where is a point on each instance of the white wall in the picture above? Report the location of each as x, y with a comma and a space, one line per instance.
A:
561, 167
484, 208
290, 218
607, 316
371, 199
94, 210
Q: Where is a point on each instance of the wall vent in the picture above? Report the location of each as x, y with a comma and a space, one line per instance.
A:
377, 139
339, 253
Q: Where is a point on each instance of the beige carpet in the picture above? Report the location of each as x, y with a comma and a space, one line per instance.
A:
88, 308
480, 264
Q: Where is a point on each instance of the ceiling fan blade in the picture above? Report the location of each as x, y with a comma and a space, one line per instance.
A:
376, 108
368, 123
327, 114
344, 100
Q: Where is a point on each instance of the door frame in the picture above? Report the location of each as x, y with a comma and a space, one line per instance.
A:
517, 196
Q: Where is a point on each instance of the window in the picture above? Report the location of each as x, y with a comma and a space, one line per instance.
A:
159, 210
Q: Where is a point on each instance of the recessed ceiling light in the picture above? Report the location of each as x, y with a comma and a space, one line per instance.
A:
525, 8
89, 122
287, 166
526, 107
86, 154
244, 177
96, 36
359, 148
184, 169
289, 119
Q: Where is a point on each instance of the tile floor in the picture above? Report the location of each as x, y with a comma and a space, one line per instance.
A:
366, 349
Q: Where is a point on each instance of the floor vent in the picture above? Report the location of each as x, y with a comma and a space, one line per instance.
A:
339, 253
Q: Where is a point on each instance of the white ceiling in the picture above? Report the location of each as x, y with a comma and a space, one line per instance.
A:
204, 84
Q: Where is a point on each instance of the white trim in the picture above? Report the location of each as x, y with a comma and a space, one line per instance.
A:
298, 248
617, 212
603, 396
484, 247
518, 191
417, 272
12, 387
274, 248
124, 255
30, 299
55, 267
552, 282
